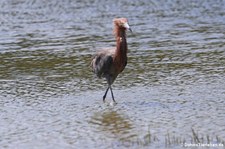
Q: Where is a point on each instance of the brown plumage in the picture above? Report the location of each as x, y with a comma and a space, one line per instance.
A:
108, 63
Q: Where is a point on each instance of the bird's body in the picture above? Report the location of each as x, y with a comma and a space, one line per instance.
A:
108, 63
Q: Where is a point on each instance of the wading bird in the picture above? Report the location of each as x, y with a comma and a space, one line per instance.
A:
108, 63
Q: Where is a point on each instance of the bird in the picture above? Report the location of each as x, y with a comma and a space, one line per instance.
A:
109, 63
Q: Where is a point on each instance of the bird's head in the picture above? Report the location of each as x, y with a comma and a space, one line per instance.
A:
122, 23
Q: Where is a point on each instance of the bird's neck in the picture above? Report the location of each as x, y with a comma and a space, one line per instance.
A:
121, 43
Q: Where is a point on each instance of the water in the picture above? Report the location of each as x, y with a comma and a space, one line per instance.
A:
172, 87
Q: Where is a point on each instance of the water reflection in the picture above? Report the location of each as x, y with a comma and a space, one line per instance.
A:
113, 124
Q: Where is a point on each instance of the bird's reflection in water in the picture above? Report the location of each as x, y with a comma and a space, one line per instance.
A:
114, 125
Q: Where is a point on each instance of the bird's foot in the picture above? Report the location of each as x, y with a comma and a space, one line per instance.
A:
104, 98
114, 102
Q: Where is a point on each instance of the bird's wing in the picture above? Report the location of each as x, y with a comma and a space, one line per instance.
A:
102, 64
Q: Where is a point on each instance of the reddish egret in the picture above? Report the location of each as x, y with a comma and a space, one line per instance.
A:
110, 62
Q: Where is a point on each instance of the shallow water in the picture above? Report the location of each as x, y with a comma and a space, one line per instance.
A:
173, 84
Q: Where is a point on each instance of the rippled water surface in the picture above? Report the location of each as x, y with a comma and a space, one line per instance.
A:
172, 92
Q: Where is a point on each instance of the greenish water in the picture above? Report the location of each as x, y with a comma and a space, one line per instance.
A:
173, 84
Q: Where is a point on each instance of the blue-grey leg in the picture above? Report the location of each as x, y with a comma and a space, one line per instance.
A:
112, 94
105, 94
109, 81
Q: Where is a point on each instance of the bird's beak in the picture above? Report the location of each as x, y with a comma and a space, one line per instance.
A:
127, 27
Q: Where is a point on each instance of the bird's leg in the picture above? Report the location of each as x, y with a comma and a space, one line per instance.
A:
112, 94
109, 81
105, 94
